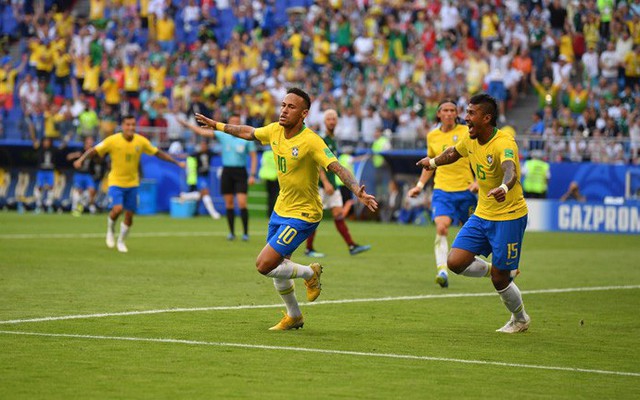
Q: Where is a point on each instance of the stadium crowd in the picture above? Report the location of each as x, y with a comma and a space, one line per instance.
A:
384, 65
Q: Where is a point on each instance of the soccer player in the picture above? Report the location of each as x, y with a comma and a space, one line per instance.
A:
198, 165
332, 198
47, 156
234, 181
454, 186
499, 221
83, 192
298, 152
125, 149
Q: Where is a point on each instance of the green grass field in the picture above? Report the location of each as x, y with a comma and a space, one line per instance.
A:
185, 315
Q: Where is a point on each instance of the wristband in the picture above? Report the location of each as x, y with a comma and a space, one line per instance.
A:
220, 126
419, 185
432, 163
504, 187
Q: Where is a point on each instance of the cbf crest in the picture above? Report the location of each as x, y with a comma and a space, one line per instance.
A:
295, 152
489, 159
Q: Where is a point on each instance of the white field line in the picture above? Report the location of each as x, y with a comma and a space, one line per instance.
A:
30, 236
318, 303
324, 351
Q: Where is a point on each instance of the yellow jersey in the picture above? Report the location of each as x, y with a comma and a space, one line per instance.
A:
454, 177
125, 158
91, 77
156, 76
297, 160
7, 80
486, 160
131, 79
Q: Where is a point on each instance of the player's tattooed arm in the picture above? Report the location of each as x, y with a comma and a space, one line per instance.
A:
350, 182
242, 131
509, 171
245, 132
508, 181
450, 155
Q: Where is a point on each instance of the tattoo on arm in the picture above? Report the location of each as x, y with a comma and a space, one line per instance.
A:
242, 131
509, 171
449, 156
345, 176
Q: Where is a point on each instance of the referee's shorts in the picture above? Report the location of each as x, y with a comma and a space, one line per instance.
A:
234, 180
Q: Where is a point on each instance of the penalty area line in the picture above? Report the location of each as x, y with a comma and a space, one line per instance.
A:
323, 351
317, 303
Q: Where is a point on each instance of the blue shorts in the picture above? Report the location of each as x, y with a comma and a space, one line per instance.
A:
125, 197
286, 234
497, 90
502, 238
83, 181
203, 182
45, 178
456, 205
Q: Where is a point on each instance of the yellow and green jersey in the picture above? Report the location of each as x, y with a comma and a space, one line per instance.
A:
454, 177
297, 160
486, 160
125, 158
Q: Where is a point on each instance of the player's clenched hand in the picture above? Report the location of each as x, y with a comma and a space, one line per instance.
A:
204, 121
367, 199
414, 191
425, 163
77, 164
498, 193
473, 187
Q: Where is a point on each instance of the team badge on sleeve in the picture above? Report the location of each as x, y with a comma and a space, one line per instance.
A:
328, 152
508, 153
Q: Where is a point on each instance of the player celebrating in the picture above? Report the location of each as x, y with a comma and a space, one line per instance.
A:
298, 152
332, 198
453, 195
125, 149
500, 219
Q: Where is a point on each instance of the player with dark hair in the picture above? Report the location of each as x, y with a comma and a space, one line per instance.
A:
125, 149
298, 152
500, 219
454, 185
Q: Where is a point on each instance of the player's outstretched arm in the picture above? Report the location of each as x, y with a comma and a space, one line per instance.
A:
448, 156
166, 157
198, 130
350, 182
245, 132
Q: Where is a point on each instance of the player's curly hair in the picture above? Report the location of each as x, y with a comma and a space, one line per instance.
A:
301, 93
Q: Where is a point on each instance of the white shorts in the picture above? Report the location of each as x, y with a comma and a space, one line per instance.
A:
329, 202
